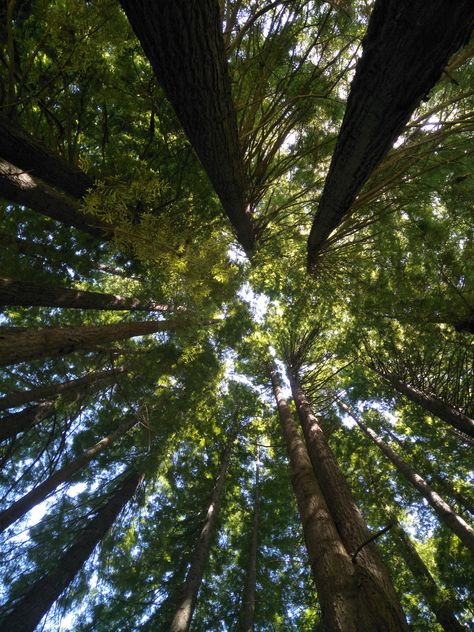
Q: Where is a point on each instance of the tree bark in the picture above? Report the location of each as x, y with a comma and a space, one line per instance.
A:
13, 400
32, 344
248, 609
13, 424
30, 294
187, 602
407, 45
29, 610
348, 601
347, 517
184, 43
19, 187
425, 583
25, 152
19, 508
431, 403
444, 512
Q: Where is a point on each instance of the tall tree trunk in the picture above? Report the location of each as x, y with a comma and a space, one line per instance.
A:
187, 602
19, 508
29, 294
347, 517
431, 403
30, 609
184, 43
425, 583
31, 344
13, 400
20, 187
248, 608
25, 152
13, 424
445, 513
348, 601
407, 45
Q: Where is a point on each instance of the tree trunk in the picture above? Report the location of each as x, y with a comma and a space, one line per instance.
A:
187, 602
425, 583
445, 513
32, 344
407, 45
30, 294
183, 41
13, 424
248, 608
30, 609
25, 152
13, 400
431, 403
20, 187
19, 508
347, 518
348, 602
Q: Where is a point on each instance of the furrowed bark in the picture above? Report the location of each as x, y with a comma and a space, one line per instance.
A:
29, 155
184, 44
248, 608
19, 508
407, 45
13, 400
187, 602
425, 583
20, 187
347, 517
444, 512
29, 610
28, 294
32, 344
431, 403
13, 424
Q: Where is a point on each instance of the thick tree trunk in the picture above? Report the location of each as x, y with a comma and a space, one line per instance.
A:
425, 583
13, 400
248, 606
32, 344
29, 294
431, 403
349, 603
445, 513
184, 44
20, 187
29, 610
187, 602
347, 517
26, 153
407, 45
13, 424
43, 490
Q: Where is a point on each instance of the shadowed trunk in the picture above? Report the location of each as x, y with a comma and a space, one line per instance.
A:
183, 41
187, 602
248, 608
43, 490
32, 344
444, 512
425, 583
29, 294
407, 45
349, 602
19, 187
13, 400
13, 424
32, 607
431, 403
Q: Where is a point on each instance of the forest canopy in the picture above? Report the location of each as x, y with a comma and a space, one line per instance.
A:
236, 337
